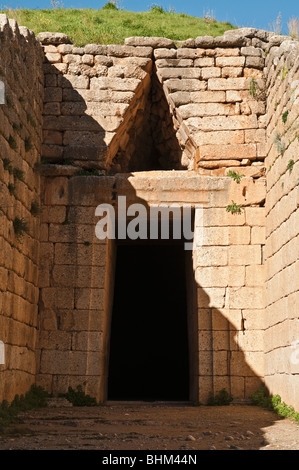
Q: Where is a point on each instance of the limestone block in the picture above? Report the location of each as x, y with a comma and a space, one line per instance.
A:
54, 152
56, 191
189, 53
244, 297
178, 72
248, 191
205, 109
87, 341
81, 233
244, 255
239, 235
53, 38
50, 80
57, 297
222, 123
228, 83
211, 297
211, 256
255, 62
210, 72
86, 298
207, 96
255, 216
235, 61
217, 152
52, 94
95, 49
78, 276
53, 57
221, 217
72, 59
255, 275
228, 319
227, 52
55, 340
231, 72
250, 364
165, 53
258, 236
204, 62
204, 341
204, 363
233, 96
129, 51
73, 81
220, 276
52, 108
155, 42
215, 236
185, 85
52, 137
117, 84
218, 138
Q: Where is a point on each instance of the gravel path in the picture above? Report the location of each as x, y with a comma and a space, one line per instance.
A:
152, 426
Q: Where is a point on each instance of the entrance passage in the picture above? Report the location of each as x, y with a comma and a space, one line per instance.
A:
149, 339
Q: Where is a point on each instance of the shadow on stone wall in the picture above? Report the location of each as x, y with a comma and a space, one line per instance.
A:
86, 128
71, 136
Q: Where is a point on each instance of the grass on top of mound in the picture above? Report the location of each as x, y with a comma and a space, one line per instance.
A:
109, 25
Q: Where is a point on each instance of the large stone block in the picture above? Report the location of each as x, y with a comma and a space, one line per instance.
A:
244, 255
228, 84
244, 297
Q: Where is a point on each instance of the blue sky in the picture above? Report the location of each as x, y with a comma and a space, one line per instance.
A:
253, 13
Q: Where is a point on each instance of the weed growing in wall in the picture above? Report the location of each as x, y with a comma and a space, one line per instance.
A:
20, 227
234, 208
290, 166
285, 116
6, 163
252, 88
28, 144
18, 174
35, 209
280, 145
11, 188
235, 176
12, 143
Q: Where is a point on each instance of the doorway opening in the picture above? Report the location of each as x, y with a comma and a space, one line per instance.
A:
149, 351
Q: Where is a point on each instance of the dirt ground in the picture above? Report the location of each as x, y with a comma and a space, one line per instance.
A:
151, 426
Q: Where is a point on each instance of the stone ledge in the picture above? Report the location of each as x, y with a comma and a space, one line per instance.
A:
53, 38
155, 42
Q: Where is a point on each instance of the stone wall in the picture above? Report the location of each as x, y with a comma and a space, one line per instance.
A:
78, 270
199, 104
20, 142
117, 120
282, 223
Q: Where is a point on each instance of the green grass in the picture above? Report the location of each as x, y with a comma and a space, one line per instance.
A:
79, 398
273, 402
36, 397
112, 26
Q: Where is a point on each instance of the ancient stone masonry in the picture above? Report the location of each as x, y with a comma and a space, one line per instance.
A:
20, 143
206, 121
282, 222
200, 105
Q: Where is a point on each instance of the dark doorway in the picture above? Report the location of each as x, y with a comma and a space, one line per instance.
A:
149, 334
